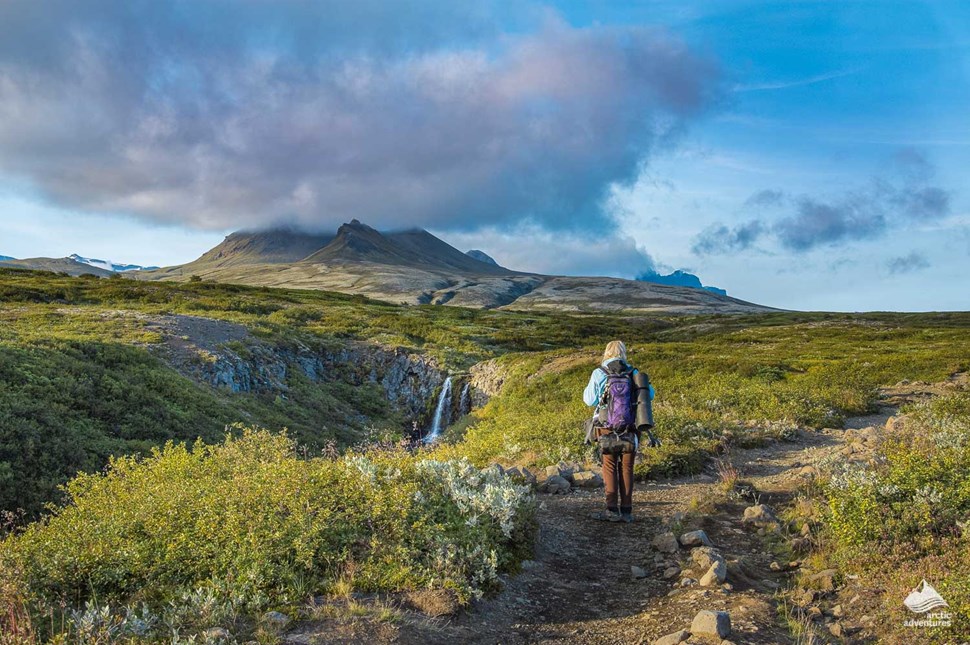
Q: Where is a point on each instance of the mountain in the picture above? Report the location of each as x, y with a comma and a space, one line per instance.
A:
6, 257
415, 267
415, 248
678, 279
57, 265
109, 266
277, 246
481, 256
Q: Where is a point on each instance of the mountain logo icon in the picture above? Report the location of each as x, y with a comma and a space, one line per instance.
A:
924, 598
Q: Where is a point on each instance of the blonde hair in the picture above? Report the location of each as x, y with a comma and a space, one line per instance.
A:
614, 349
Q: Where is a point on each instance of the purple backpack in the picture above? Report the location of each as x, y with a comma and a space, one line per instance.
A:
617, 400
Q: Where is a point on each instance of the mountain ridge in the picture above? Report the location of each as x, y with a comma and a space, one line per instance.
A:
413, 266
678, 278
57, 265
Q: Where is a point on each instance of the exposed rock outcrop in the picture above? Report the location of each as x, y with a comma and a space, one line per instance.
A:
486, 379
225, 355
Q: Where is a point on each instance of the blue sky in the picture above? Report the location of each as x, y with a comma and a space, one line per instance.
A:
809, 155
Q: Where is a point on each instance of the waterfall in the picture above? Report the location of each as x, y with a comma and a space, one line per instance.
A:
443, 408
464, 405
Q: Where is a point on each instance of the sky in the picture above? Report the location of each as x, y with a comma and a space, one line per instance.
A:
805, 155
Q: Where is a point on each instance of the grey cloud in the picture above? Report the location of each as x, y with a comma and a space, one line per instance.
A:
720, 239
816, 223
222, 115
901, 197
908, 263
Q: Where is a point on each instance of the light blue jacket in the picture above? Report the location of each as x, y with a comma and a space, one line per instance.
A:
597, 383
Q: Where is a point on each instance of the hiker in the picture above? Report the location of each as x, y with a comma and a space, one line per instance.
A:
621, 396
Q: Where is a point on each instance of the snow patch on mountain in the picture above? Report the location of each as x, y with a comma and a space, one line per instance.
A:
108, 266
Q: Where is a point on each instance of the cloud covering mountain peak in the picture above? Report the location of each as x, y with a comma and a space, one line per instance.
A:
248, 126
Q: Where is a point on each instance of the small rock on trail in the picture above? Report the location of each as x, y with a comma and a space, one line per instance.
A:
711, 623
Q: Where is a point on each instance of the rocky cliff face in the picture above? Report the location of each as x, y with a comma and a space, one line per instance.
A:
486, 379
225, 355
409, 380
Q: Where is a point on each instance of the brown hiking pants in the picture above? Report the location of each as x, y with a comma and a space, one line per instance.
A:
618, 479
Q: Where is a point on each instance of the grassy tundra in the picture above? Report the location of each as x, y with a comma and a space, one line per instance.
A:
178, 535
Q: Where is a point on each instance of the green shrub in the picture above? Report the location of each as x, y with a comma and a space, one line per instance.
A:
251, 526
904, 518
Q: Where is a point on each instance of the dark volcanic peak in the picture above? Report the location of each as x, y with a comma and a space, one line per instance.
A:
275, 246
481, 256
427, 245
415, 248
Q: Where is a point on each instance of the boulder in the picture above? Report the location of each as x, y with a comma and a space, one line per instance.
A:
587, 479
553, 471
715, 575
807, 597
808, 472
824, 580
665, 542
705, 556
671, 572
673, 639
695, 538
568, 470
711, 624
897, 422
556, 485
759, 515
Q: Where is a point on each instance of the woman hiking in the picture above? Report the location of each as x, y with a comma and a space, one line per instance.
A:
621, 396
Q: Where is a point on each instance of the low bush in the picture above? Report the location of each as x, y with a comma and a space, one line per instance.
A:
246, 525
903, 517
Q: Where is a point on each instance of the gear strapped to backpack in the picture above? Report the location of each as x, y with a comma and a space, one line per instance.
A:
624, 409
616, 416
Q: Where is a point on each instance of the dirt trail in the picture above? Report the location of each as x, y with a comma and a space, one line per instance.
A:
579, 588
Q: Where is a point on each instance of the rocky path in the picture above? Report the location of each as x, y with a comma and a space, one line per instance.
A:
598, 582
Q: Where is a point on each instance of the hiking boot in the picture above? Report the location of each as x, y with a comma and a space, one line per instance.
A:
626, 517
606, 516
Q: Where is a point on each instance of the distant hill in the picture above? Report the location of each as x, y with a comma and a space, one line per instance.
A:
415, 267
678, 279
57, 265
6, 257
109, 266
481, 256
